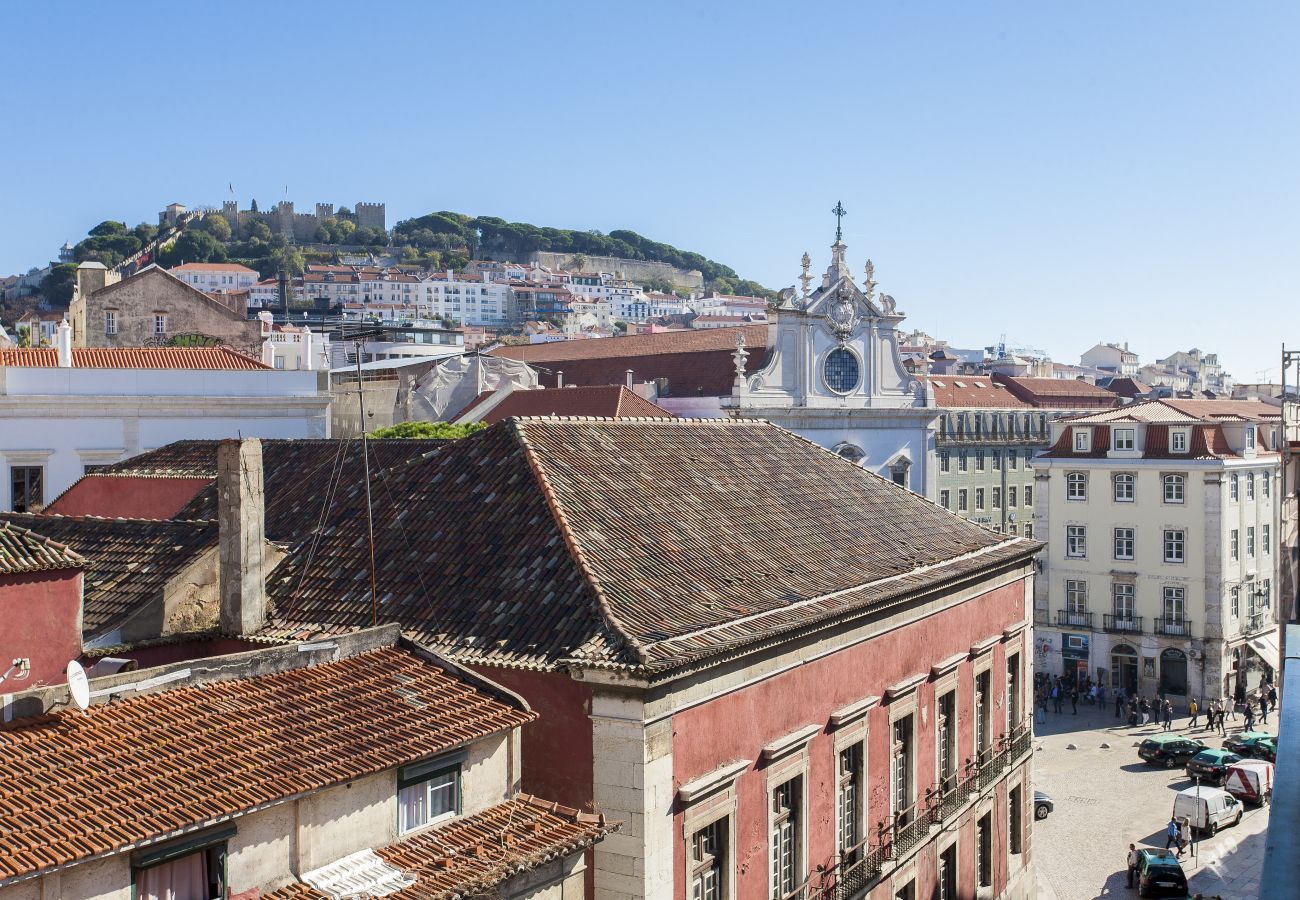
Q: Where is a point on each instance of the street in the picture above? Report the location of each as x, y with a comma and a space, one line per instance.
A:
1108, 798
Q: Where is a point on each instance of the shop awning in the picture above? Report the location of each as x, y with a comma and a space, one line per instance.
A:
1266, 647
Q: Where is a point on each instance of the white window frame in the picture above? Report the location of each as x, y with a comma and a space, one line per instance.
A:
1082, 440
1124, 439
1178, 440
1234, 544
1174, 488
1130, 481
1174, 546
1076, 541
1125, 543
1076, 486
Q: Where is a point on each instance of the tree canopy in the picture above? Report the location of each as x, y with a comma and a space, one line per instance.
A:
444, 431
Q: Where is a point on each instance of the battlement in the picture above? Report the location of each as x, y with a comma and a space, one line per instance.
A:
371, 215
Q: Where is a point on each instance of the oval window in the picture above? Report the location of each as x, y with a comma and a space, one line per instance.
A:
841, 371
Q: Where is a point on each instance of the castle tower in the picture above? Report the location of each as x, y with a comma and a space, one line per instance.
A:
324, 211
230, 212
371, 215
284, 218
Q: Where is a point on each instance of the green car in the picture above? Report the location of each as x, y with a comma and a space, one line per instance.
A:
1243, 741
1211, 765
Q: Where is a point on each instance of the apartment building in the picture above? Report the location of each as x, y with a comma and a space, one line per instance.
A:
1162, 519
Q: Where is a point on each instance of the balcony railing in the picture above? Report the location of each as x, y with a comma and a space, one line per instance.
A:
1256, 622
1127, 624
859, 866
1067, 619
1173, 627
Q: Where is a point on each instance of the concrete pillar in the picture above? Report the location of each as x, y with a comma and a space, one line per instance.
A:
63, 340
241, 523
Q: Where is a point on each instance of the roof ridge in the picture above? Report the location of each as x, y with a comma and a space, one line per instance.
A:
576, 553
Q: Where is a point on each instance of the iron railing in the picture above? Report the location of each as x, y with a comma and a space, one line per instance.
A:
1068, 619
1129, 624
1174, 627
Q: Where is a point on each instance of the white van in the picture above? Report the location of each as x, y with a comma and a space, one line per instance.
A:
1208, 811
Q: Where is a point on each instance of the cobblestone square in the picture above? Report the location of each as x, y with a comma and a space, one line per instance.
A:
1107, 798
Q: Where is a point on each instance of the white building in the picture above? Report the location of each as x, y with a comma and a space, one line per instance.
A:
1112, 358
1162, 564
216, 278
666, 304
293, 348
464, 300
63, 409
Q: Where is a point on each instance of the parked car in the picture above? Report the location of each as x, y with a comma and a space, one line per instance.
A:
1243, 742
1266, 749
1250, 781
1043, 805
1169, 750
1207, 808
1160, 875
1211, 765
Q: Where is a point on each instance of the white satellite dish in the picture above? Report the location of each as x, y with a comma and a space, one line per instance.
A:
78, 685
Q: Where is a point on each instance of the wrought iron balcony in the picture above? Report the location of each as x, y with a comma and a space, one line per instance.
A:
1173, 627
1067, 619
1256, 622
1125, 624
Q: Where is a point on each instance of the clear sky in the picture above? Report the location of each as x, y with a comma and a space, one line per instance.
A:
1062, 173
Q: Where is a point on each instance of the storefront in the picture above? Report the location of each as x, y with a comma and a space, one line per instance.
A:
1074, 656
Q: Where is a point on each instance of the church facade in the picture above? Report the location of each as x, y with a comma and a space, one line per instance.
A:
833, 373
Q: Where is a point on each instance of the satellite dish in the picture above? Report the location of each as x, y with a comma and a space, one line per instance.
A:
78, 685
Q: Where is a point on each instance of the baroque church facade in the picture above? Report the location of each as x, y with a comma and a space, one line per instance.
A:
834, 374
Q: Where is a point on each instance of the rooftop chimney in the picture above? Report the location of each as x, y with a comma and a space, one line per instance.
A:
63, 340
241, 520
629, 379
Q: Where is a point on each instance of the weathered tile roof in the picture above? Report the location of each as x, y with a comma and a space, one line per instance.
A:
612, 401
973, 392
631, 543
471, 855
1175, 410
128, 561
81, 785
134, 358
1057, 392
23, 550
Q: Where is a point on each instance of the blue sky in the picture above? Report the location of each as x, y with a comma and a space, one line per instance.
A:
1060, 173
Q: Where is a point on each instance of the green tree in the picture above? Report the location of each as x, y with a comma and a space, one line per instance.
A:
444, 431
217, 226
24, 336
580, 261
108, 228
259, 230
291, 260
56, 287
343, 229
193, 246
323, 234
144, 232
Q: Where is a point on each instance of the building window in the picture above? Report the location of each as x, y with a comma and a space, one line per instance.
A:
1234, 544
1250, 437
1082, 440
1178, 441
979, 460
1174, 545
945, 462
907, 891
1250, 542
1235, 594
1124, 488
983, 728
997, 460
1076, 597
427, 795
1174, 488
709, 862
1124, 540
948, 873
1124, 439
159, 324
1013, 461
1015, 819
1266, 594
841, 370
1029, 529
1175, 605
27, 488
1076, 541
1013, 691
1233, 488
785, 838
961, 500
201, 874
946, 734
1266, 484
961, 461
1011, 498
979, 499
1015, 529
945, 500
1266, 543
850, 799
1124, 600
1076, 486
1250, 485
984, 858
997, 498
900, 774
898, 472
110, 322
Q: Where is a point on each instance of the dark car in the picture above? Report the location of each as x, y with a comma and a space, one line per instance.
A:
1043, 805
1211, 765
1265, 749
1243, 742
1169, 750
1160, 875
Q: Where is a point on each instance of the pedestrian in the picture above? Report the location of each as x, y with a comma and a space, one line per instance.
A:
1119, 701
1074, 701
1056, 698
1250, 717
1195, 711
1172, 832
1146, 711
1223, 718
1263, 708
1132, 863
1169, 716
1272, 697
1184, 835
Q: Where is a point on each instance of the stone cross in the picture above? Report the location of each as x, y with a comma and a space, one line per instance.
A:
840, 212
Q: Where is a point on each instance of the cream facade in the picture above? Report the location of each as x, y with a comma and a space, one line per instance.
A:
1162, 564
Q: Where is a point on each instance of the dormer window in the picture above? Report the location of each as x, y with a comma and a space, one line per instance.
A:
1178, 441
1250, 437
1124, 439
1082, 440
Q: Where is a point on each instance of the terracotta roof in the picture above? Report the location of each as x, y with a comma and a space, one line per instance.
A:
613, 401
1098, 447
23, 550
1057, 392
643, 543
1126, 387
128, 561
694, 362
134, 358
973, 392
471, 855
1174, 410
81, 785
213, 267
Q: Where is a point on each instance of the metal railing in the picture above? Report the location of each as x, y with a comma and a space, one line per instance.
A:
1065, 617
1173, 627
1130, 624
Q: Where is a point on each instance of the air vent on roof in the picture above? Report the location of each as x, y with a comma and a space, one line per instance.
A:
981, 385
938, 384
960, 384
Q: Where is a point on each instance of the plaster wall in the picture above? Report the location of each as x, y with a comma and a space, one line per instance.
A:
42, 616
127, 496
343, 820
262, 851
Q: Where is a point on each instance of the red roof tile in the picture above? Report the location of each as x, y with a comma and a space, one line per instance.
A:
472, 855
23, 550
78, 786
1058, 392
973, 392
134, 358
613, 401
213, 267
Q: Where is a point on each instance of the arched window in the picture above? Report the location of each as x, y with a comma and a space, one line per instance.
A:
1125, 488
851, 452
1076, 486
1175, 488
899, 469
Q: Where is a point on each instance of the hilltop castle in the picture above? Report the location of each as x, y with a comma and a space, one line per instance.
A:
299, 227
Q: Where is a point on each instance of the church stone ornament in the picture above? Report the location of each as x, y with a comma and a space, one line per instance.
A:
842, 315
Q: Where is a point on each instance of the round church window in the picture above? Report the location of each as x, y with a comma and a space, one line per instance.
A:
841, 370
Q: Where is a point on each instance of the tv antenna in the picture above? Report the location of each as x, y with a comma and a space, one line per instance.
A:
18, 670
78, 685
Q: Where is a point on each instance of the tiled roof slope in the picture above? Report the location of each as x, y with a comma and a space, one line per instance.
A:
612, 401
472, 855
1174, 410
128, 561
23, 550
973, 392
694, 363
641, 543
134, 358
1053, 393
77, 786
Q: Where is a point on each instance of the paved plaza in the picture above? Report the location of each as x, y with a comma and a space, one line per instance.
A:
1107, 798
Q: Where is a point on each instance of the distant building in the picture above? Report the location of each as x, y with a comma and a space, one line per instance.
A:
606, 401
1202, 370
216, 278
1112, 358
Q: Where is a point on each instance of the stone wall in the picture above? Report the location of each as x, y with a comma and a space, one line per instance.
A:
633, 269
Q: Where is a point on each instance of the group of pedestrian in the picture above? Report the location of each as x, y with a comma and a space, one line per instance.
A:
1144, 711
1062, 689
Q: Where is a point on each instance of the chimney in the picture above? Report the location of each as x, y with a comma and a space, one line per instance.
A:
63, 340
241, 521
629, 379
559, 378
